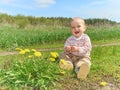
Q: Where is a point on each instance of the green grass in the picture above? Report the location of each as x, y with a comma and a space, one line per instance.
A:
12, 38
105, 67
20, 72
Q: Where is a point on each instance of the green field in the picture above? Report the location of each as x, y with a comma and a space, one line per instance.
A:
12, 37
19, 72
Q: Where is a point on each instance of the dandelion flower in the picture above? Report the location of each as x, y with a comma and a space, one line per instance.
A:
27, 50
19, 49
52, 59
34, 50
30, 56
103, 83
62, 72
63, 61
54, 54
38, 54
22, 52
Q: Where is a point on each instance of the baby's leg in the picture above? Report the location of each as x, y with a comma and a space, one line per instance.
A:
65, 62
82, 68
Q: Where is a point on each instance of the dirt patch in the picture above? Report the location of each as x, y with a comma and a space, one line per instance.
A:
51, 49
42, 49
109, 86
111, 44
7, 53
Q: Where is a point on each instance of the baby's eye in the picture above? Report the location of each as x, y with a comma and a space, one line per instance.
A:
78, 26
73, 27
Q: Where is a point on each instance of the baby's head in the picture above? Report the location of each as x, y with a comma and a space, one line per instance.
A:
77, 26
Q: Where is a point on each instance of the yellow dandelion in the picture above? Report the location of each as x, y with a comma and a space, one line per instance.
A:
27, 50
62, 72
19, 49
30, 56
54, 54
52, 59
38, 54
103, 83
34, 50
63, 61
22, 52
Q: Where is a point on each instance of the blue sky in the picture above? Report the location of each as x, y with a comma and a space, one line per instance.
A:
109, 9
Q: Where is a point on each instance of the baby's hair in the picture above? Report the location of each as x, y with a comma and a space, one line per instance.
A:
78, 18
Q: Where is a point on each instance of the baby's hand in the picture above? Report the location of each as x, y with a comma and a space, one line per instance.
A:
68, 49
74, 49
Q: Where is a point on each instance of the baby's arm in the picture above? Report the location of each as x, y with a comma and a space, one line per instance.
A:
68, 49
83, 49
74, 49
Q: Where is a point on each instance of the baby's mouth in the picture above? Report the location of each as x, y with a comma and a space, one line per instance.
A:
76, 32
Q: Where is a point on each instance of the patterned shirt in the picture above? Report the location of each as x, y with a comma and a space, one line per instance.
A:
82, 42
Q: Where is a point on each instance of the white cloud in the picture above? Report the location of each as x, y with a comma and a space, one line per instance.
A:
3, 11
103, 9
18, 4
105, 2
45, 3
6, 1
94, 3
114, 3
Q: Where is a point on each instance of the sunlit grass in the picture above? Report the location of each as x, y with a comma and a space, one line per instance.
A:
12, 37
105, 67
41, 69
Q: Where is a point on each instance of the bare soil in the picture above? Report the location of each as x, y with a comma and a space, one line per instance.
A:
50, 49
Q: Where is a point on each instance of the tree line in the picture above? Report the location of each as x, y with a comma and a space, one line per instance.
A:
21, 21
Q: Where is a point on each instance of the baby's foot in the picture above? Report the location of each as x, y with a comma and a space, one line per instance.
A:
83, 71
67, 65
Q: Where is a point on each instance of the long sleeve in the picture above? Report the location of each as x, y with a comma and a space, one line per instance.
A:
83, 43
85, 48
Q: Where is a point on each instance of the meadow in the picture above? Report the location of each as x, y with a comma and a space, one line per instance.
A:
13, 37
31, 68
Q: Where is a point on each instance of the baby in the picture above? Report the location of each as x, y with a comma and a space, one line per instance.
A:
77, 49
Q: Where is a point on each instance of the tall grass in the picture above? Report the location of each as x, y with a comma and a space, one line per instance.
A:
104, 33
11, 37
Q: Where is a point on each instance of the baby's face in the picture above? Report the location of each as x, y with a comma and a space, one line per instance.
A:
77, 27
